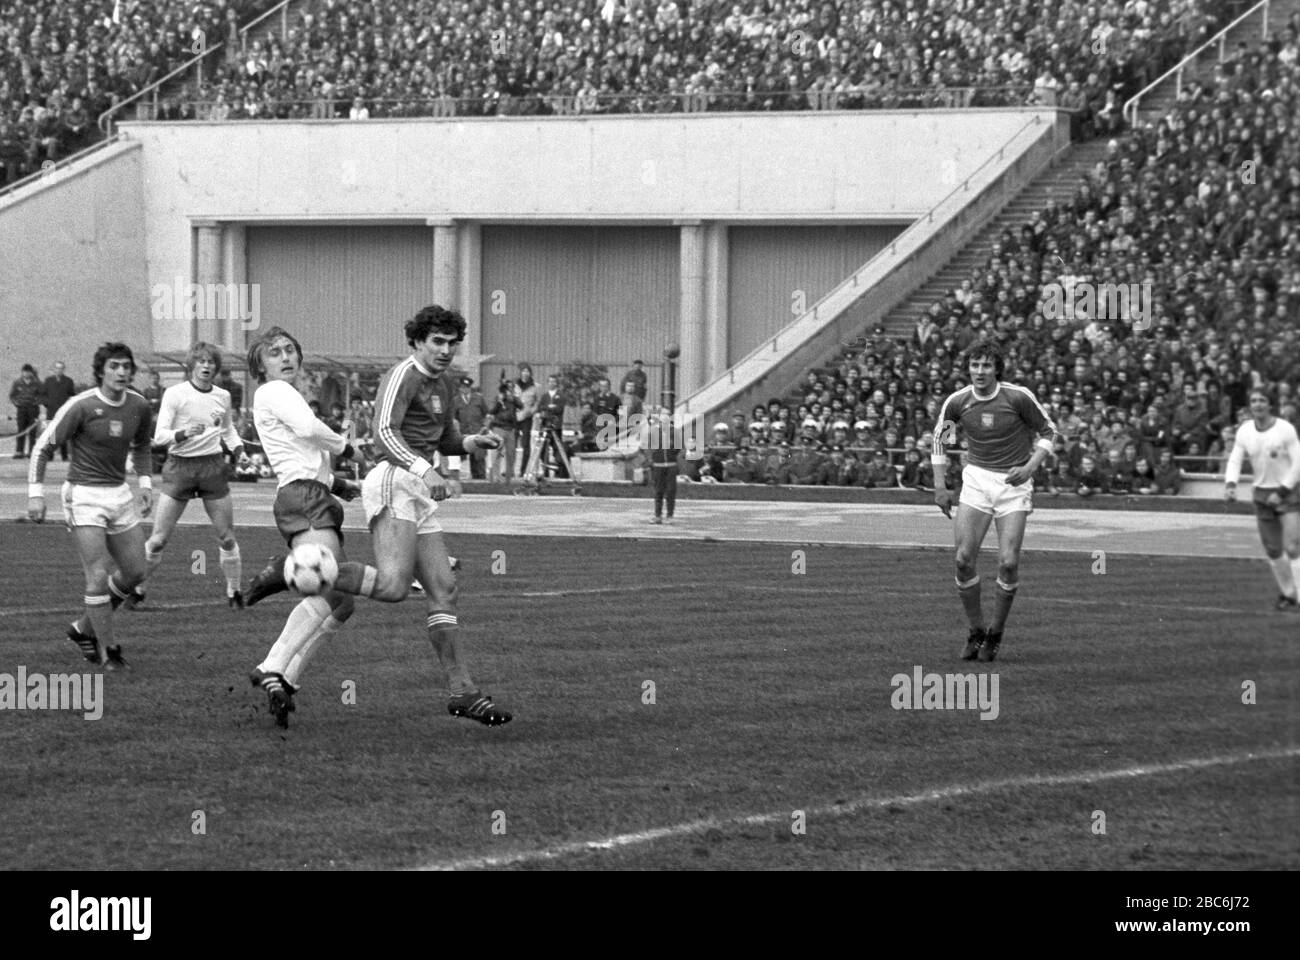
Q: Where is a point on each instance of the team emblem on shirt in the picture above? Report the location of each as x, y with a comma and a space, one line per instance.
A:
435, 404
115, 428
986, 419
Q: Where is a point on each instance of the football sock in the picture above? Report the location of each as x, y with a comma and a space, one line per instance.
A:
969, 591
302, 656
358, 579
1005, 596
1282, 567
1295, 575
232, 566
303, 621
116, 592
99, 613
444, 634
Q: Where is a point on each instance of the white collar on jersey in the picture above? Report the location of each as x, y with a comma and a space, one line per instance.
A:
112, 403
996, 390
422, 368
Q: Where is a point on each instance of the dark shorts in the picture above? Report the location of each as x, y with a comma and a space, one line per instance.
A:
306, 505
1289, 504
184, 478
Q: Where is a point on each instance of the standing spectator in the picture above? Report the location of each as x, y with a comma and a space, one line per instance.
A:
550, 407
236, 391
26, 396
663, 464
635, 381
470, 410
503, 417
606, 401
58, 388
526, 394
153, 393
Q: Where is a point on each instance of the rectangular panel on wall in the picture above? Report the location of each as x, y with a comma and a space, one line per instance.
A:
553, 294
776, 271
342, 290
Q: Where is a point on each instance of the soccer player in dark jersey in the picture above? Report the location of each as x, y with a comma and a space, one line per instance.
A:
413, 421
102, 427
1000, 422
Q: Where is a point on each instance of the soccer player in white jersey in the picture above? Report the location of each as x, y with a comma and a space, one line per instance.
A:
193, 423
298, 446
1000, 422
1274, 453
413, 421
102, 427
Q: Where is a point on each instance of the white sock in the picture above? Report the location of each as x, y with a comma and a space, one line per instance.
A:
304, 653
1295, 574
1282, 574
304, 620
232, 567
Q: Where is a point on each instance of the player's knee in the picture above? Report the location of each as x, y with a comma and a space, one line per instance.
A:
226, 541
1271, 551
390, 588
965, 561
155, 544
1009, 572
97, 575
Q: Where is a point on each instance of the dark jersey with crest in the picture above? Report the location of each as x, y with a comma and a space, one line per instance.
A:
999, 430
100, 435
413, 417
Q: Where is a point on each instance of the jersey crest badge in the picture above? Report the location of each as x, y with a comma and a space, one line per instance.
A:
987, 420
115, 428
435, 404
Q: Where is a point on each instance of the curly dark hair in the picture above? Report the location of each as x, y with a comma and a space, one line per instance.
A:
433, 318
988, 351
107, 352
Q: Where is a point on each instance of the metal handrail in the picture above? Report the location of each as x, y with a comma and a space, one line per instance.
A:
106, 116
46, 171
855, 279
567, 104
282, 8
1131, 104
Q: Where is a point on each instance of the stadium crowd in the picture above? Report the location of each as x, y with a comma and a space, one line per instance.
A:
442, 57
63, 63
1204, 205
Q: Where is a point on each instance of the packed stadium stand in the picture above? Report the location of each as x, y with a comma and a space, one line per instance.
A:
1199, 206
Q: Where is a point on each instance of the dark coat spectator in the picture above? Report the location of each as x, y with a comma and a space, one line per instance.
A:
634, 381
1168, 475
26, 395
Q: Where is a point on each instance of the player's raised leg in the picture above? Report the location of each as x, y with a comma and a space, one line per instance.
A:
434, 572
970, 528
221, 513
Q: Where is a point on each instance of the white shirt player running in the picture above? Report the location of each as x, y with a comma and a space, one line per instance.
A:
1274, 455
184, 405
295, 441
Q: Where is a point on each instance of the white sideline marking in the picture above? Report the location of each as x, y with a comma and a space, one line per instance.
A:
557, 851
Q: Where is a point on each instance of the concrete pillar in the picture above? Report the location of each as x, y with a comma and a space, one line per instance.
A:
716, 264
234, 260
690, 321
207, 270
444, 262
469, 298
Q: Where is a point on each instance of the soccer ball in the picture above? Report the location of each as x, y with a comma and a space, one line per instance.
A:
311, 569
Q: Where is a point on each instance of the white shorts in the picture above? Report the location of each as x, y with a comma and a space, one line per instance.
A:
403, 493
989, 492
112, 508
